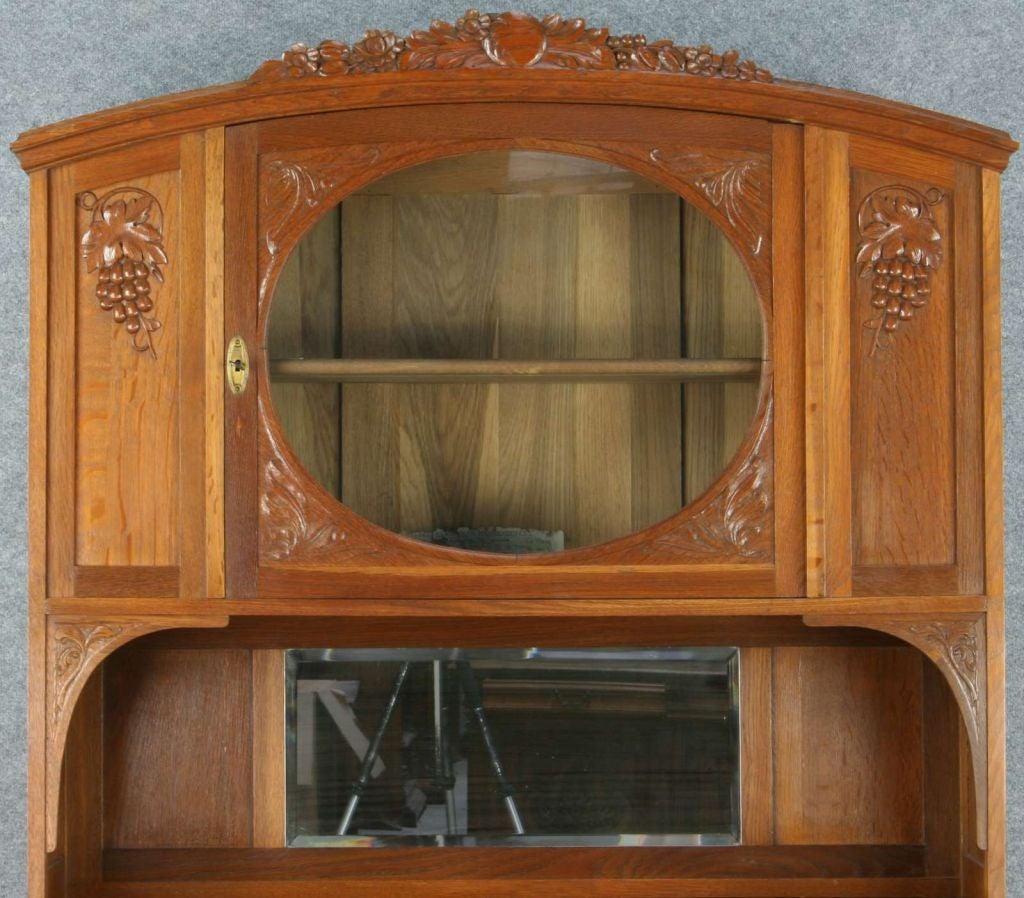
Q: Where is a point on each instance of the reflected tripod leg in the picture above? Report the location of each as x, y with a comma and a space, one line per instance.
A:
442, 762
476, 703
371, 751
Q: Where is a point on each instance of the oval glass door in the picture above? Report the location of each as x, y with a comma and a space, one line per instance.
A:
515, 352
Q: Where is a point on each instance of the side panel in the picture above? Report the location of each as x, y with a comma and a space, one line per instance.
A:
130, 507
915, 373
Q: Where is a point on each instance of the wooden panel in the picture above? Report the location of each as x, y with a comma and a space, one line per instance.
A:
83, 789
602, 435
305, 321
127, 412
756, 753
268, 752
827, 236
178, 749
536, 300
723, 320
594, 276
370, 459
848, 760
941, 794
910, 525
129, 471
902, 414
655, 259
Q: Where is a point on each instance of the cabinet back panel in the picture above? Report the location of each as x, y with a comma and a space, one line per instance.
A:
178, 749
848, 757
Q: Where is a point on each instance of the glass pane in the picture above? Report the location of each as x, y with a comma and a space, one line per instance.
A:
515, 352
519, 747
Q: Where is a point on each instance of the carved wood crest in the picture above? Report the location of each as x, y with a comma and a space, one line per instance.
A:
507, 40
900, 248
124, 246
956, 645
74, 649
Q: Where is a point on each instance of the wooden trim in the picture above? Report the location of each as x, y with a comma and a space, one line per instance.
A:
783, 887
75, 647
192, 535
906, 580
213, 357
740, 863
968, 312
757, 796
992, 389
240, 293
992, 806
829, 484
241, 102
83, 789
789, 373
268, 751
126, 580
39, 242
510, 371
600, 606
957, 644
61, 355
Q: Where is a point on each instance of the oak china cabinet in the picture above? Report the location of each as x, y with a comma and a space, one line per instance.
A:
515, 459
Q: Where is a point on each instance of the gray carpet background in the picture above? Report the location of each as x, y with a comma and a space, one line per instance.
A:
69, 57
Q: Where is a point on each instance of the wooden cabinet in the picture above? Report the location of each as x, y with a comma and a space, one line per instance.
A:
511, 333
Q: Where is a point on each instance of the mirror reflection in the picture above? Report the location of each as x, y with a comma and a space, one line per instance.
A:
519, 747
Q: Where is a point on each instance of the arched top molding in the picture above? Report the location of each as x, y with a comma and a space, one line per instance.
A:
509, 57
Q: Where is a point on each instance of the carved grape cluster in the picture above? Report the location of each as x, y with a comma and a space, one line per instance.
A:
898, 287
124, 245
900, 248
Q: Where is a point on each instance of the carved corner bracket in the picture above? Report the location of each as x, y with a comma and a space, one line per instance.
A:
737, 185
956, 644
507, 40
74, 649
124, 246
900, 248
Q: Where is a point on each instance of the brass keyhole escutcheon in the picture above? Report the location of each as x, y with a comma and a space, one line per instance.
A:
237, 365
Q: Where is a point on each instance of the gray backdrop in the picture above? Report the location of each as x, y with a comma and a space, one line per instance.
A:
76, 56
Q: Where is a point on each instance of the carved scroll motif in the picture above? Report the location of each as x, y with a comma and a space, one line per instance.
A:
124, 246
292, 189
737, 185
956, 644
74, 649
507, 40
900, 248
738, 520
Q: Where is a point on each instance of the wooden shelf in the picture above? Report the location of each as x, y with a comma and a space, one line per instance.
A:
513, 371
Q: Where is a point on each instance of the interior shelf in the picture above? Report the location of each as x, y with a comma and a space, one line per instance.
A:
512, 371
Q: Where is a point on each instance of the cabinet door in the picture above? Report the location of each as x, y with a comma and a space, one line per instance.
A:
132, 504
515, 351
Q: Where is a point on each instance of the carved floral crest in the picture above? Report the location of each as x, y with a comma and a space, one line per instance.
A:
507, 40
124, 245
900, 247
